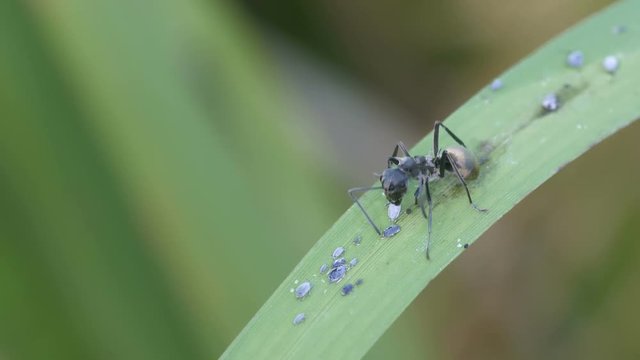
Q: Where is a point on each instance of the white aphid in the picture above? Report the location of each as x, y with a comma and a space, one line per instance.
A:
550, 102
610, 64
299, 319
575, 59
618, 29
393, 211
303, 290
496, 84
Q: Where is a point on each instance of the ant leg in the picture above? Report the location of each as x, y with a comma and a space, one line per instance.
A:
436, 133
399, 146
355, 199
455, 169
417, 195
426, 186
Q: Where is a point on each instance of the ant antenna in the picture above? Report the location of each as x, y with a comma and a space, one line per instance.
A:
436, 135
355, 199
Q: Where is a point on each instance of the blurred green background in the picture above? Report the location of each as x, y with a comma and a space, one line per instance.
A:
164, 165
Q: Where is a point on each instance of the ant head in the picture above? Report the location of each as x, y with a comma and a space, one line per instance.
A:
394, 182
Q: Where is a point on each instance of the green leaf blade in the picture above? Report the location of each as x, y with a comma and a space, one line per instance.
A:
522, 146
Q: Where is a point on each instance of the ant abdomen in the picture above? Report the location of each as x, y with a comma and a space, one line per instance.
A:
466, 162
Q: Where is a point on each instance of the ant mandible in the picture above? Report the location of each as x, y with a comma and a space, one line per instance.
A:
400, 169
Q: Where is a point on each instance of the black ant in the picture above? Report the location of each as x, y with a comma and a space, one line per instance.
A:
395, 178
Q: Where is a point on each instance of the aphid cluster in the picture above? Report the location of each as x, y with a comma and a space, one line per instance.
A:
335, 273
425, 169
339, 267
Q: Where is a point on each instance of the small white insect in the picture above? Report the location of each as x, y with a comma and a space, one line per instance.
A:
618, 29
550, 102
338, 252
575, 59
324, 268
610, 64
299, 319
303, 290
393, 211
496, 84
337, 273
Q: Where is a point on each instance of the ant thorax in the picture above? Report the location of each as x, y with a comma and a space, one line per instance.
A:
417, 167
427, 167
